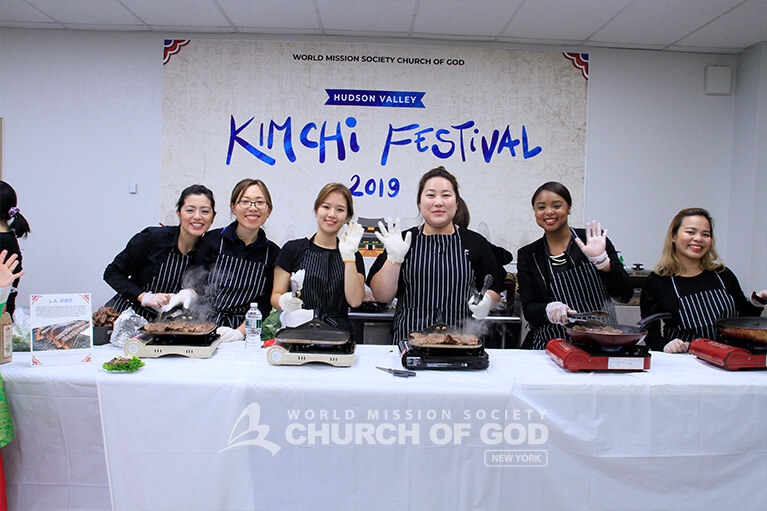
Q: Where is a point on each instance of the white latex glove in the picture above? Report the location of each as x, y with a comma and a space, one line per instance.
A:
289, 303
595, 247
298, 278
229, 334
557, 312
349, 242
676, 346
481, 309
391, 237
296, 318
184, 298
154, 300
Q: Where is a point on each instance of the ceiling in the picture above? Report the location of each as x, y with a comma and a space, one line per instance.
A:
711, 26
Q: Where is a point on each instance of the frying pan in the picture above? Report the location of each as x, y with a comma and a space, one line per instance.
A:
631, 334
753, 329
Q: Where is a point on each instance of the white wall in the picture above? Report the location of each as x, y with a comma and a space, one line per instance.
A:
745, 252
656, 144
82, 120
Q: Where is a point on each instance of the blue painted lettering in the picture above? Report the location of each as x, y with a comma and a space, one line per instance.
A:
459, 137
310, 137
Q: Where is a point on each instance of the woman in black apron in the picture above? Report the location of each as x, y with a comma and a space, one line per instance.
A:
239, 260
434, 269
334, 272
567, 270
148, 272
691, 284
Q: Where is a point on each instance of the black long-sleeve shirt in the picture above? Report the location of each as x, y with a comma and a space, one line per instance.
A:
9, 242
658, 295
133, 269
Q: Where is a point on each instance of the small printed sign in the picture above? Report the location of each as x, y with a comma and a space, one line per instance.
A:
62, 330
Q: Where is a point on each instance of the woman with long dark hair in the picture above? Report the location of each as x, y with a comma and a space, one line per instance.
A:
434, 269
147, 274
13, 225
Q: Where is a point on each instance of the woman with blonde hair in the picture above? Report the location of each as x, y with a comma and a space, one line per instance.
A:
692, 284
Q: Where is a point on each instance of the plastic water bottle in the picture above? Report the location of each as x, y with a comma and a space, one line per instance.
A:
253, 327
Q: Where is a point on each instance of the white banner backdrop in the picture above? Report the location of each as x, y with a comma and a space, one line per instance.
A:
375, 117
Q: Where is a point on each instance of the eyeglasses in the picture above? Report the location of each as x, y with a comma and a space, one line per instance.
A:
258, 204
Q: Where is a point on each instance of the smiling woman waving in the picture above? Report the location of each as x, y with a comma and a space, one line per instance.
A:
567, 270
691, 284
434, 270
334, 272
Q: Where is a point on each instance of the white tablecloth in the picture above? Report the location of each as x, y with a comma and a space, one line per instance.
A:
233, 432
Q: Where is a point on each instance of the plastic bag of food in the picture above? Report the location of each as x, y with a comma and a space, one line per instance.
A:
126, 326
21, 329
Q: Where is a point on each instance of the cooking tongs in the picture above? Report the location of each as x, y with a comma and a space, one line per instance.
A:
597, 318
178, 313
477, 296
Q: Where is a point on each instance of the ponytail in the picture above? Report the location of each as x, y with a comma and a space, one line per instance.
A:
9, 211
17, 223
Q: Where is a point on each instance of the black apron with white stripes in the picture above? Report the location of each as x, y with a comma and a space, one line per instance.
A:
437, 278
166, 280
582, 290
698, 313
232, 285
323, 288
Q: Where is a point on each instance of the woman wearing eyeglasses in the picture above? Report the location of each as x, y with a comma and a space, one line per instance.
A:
147, 274
334, 277
240, 260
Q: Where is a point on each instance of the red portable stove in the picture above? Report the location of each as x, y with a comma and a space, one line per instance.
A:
584, 357
731, 354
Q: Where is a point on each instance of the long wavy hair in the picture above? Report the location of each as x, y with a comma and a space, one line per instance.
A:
669, 263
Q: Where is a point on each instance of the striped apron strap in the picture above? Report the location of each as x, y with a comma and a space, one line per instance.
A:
438, 279
698, 312
232, 285
580, 288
